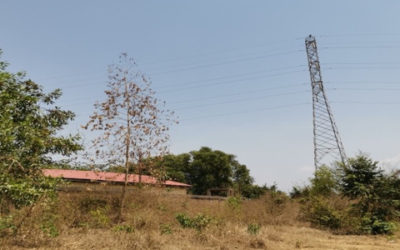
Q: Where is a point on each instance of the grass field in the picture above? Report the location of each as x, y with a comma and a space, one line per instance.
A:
87, 221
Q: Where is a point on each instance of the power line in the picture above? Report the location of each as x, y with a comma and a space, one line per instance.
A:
236, 94
227, 62
248, 111
217, 83
239, 100
196, 65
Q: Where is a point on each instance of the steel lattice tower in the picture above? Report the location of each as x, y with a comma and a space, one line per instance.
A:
327, 142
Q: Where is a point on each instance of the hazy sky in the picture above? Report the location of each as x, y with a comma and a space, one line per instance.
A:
234, 71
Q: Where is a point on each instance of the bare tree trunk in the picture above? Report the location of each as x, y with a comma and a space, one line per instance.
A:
127, 144
140, 174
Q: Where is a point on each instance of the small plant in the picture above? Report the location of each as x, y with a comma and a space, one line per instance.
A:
165, 228
253, 228
184, 220
48, 225
198, 222
234, 203
99, 218
124, 228
6, 225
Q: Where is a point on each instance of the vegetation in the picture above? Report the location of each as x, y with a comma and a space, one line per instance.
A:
29, 126
357, 197
353, 198
132, 121
206, 168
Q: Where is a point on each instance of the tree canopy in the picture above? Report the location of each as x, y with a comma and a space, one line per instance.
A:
206, 168
29, 126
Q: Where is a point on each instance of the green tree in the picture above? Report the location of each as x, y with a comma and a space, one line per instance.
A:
209, 169
29, 126
176, 166
359, 177
324, 182
376, 193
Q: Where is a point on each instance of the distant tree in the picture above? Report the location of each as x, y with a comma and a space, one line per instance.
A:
132, 122
210, 169
175, 166
29, 137
207, 168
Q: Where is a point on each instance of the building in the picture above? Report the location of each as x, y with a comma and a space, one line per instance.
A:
109, 181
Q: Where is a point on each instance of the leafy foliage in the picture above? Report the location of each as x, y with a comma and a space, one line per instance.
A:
358, 197
253, 228
198, 222
29, 126
207, 168
324, 182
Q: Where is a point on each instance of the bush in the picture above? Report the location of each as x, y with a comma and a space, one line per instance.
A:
320, 213
374, 225
372, 198
234, 203
324, 182
198, 222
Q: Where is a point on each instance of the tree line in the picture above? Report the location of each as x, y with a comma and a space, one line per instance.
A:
203, 169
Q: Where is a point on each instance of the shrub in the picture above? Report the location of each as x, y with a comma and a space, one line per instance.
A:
324, 182
320, 213
99, 218
234, 203
371, 198
374, 225
198, 222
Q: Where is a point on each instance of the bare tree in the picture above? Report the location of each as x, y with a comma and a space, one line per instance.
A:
132, 124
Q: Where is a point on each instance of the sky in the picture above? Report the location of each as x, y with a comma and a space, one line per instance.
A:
235, 72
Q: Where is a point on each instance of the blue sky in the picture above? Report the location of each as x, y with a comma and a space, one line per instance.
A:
234, 71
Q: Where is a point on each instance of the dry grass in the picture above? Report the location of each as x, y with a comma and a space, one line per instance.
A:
151, 216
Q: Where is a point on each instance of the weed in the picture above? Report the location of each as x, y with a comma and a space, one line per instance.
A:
165, 228
48, 226
124, 228
234, 203
253, 228
99, 218
7, 225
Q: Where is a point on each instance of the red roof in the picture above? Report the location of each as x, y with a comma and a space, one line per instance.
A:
106, 177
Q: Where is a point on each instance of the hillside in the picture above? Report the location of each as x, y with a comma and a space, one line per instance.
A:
86, 221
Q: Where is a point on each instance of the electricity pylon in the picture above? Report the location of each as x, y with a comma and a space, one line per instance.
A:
327, 142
